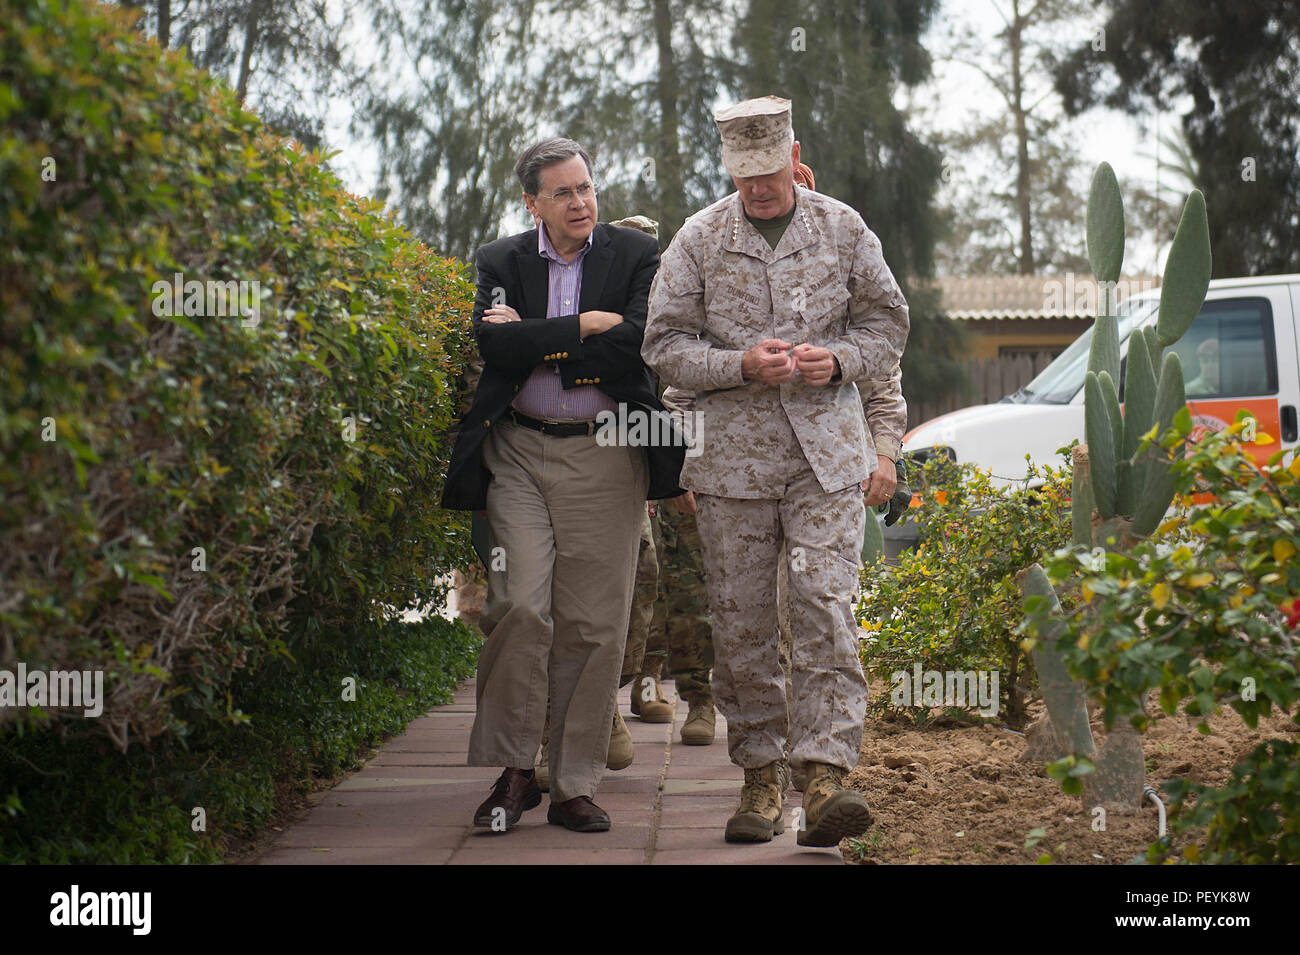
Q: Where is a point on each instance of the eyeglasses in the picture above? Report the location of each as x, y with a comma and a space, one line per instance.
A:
565, 196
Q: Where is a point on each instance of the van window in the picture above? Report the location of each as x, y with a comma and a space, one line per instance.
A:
1060, 381
1229, 350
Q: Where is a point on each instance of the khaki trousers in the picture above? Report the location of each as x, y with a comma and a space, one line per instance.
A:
743, 546
565, 516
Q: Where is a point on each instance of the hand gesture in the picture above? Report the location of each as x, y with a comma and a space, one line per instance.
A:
500, 313
769, 362
816, 365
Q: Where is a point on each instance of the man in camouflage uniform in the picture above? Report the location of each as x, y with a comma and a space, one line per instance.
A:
769, 304
681, 613
885, 410
643, 657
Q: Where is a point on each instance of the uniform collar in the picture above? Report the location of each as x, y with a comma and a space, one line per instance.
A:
742, 237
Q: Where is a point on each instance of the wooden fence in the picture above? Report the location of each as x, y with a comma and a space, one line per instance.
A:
987, 381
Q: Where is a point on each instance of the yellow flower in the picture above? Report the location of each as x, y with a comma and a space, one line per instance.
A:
1160, 595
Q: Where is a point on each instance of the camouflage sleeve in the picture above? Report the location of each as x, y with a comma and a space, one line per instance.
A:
886, 412
679, 399
673, 346
878, 321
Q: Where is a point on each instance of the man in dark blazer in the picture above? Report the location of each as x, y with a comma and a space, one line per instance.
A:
558, 316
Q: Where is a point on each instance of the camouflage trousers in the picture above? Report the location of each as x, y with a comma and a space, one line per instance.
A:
643, 653
819, 536
670, 630
681, 613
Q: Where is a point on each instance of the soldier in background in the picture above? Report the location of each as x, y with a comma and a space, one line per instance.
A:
682, 610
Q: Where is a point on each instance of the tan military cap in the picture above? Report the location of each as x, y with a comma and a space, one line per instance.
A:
640, 223
756, 136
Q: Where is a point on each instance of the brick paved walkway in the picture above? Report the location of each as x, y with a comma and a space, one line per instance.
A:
413, 802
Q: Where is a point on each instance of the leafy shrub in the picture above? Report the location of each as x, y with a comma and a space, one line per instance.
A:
83, 802
1203, 614
953, 602
130, 438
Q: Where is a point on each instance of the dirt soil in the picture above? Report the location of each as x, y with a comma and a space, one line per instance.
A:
967, 795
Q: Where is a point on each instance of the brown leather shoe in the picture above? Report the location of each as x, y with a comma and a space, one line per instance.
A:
579, 814
512, 794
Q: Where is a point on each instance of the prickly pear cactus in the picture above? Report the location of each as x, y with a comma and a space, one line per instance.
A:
1121, 492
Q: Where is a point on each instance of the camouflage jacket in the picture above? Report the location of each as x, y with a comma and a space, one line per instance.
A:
883, 405
721, 289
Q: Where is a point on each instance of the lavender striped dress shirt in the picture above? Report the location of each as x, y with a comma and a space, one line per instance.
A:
542, 395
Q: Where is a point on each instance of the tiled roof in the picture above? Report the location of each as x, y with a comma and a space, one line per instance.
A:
1030, 296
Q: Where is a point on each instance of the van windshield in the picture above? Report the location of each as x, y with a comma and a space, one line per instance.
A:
1060, 381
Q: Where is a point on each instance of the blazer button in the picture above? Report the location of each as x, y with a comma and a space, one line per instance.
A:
595, 381
487, 424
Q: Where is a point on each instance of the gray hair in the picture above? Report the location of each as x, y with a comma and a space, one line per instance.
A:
548, 152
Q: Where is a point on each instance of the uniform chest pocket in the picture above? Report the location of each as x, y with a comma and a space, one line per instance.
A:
825, 308
738, 309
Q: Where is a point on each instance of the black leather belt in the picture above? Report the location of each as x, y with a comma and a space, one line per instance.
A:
560, 429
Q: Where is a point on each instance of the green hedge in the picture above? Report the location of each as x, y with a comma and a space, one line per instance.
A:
120, 166
83, 802
953, 603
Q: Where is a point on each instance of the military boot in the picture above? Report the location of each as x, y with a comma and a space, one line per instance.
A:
830, 812
620, 752
759, 817
700, 721
783, 774
648, 701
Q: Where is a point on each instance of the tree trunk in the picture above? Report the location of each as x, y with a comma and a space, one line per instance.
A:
672, 192
1015, 39
246, 57
164, 23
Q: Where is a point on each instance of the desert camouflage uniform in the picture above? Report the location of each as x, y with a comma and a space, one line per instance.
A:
682, 612
886, 413
646, 648
779, 466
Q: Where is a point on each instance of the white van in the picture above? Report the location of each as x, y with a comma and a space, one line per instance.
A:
1240, 352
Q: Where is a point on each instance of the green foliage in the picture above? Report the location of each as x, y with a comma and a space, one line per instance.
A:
1252, 819
1139, 395
1237, 69
226, 432
953, 602
1187, 272
1105, 230
1154, 480
1101, 443
1203, 614
1130, 480
83, 802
